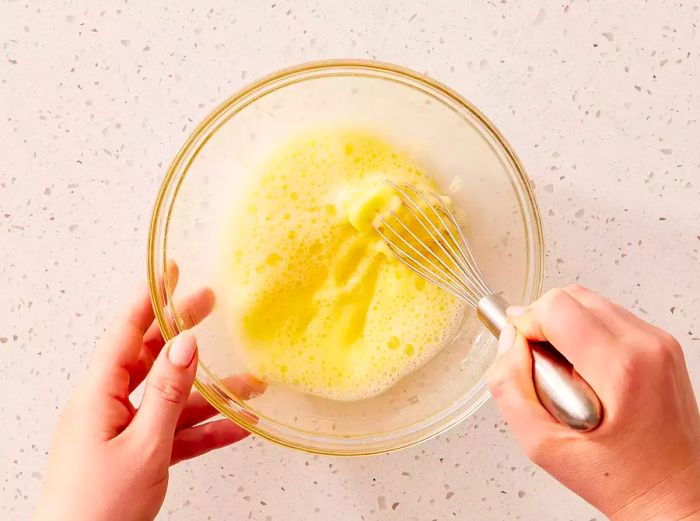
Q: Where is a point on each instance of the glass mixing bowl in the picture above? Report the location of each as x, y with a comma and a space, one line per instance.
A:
449, 138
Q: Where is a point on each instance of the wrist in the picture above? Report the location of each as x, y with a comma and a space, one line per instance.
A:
676, 498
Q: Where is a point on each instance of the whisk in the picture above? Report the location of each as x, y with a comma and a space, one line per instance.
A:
426, 236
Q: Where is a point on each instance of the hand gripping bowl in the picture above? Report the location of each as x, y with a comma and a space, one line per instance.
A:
449, 138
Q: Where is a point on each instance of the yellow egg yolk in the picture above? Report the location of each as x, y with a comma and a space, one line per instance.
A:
319, 301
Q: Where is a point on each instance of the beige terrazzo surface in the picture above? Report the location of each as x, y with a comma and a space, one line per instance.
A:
600, 100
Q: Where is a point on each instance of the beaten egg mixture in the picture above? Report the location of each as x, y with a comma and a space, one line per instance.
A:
321, 304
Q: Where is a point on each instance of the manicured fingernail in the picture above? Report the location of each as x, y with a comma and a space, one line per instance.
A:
506, 339
515, 311
182, 350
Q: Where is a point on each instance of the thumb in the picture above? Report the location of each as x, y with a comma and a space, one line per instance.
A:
526, 321
167, 389
510, 383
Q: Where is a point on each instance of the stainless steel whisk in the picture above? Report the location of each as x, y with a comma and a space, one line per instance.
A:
425, 235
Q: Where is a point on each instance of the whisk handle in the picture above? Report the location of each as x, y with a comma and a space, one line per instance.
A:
560, 389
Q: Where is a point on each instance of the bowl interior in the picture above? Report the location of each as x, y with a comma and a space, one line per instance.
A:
449, 139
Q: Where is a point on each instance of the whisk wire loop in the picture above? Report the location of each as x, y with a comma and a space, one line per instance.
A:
463, 258
429, 241
436, 271
433, 231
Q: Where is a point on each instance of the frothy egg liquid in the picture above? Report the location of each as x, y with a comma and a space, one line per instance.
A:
321, 304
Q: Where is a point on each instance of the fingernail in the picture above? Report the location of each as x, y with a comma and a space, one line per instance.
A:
182, 350
515, 311
506, 339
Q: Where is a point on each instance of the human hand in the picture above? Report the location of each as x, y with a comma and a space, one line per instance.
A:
109, 460
643, 461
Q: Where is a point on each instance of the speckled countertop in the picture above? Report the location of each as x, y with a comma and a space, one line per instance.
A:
600, 102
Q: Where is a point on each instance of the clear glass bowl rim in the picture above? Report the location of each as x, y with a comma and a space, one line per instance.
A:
207, 383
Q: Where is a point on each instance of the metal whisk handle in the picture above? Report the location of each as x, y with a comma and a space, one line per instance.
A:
560, 389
